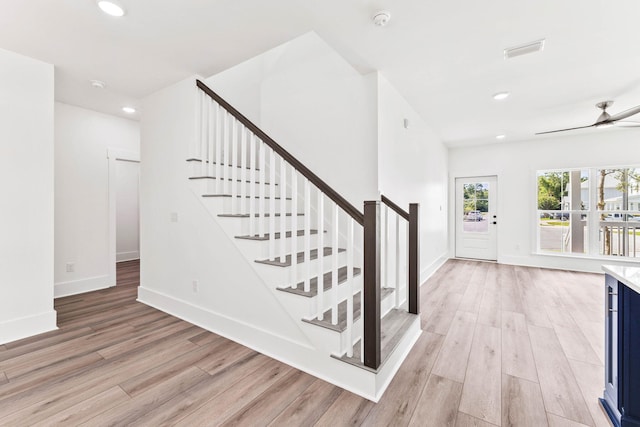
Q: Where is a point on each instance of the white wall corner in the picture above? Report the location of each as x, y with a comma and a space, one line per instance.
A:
16, 329
429, 270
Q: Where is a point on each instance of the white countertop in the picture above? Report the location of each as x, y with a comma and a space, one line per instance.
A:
630, 276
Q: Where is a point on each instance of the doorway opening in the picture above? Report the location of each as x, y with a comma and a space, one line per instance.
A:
124, 213
476, 218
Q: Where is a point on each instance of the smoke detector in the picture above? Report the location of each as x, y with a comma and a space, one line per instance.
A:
381, 18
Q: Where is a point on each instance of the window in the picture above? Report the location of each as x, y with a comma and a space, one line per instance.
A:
589, 211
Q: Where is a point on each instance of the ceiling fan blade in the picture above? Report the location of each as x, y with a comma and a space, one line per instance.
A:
626, 124
627, 113
564, 130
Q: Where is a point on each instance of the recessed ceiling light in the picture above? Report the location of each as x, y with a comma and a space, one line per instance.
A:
97, 84
129, 110
501, 95
111, 7
501, 136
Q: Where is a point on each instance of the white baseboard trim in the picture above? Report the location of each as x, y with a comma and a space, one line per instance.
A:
73, 287
127, 256
428, 271
298, 355
24, 327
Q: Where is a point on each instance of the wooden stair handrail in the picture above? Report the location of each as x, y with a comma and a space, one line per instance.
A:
306, 172
404, 214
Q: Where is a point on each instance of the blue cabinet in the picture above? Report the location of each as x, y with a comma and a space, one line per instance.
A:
621, 396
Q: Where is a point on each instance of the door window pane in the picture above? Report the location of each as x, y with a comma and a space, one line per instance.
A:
476, 208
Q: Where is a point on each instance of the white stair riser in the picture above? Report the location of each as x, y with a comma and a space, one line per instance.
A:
240, 226
308, 306
281, 276
327, 340
224, 205
259, 249
212, 186
242, 205
205, 169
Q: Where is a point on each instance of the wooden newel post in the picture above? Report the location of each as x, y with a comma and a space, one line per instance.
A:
372, 284
414, 258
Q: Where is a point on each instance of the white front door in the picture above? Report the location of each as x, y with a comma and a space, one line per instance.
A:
476, 220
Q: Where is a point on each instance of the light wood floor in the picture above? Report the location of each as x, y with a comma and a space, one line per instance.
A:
502, 346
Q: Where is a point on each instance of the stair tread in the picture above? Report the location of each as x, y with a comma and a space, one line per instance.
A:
313, 255
194, 159
342, 313
228, 179
256, 215
392, 327
246, 197
277, 235
313, 285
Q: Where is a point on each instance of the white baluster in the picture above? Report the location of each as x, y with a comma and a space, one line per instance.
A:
242, 184
350, 255
406, 266
210, 136
233, 164
203, 137
385, 248
397, 285
320, 259
283, 211
198, 128
307, 235
334, 265
262, 165
253, 200
294, 227
225, 153
219, 144
272, 206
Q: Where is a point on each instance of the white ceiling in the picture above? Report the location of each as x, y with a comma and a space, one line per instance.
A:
446, 57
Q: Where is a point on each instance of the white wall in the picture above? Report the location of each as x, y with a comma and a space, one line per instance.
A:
127, 212
82, 139
516, 164
26, 188
314, 104
412, 168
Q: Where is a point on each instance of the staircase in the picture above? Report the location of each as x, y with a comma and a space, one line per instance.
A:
348, 279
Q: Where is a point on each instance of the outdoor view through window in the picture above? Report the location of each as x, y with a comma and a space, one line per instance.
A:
476, 207
593, 211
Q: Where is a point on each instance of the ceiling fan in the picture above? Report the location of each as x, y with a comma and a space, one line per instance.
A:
605, 119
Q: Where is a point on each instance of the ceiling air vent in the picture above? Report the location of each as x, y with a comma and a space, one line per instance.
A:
524, 49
